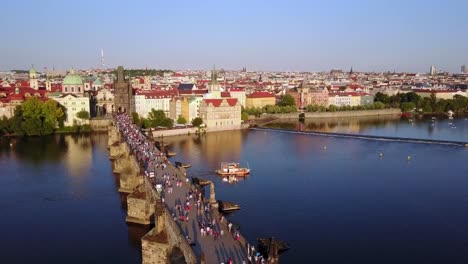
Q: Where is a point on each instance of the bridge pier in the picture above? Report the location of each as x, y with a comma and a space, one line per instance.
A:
141, 205
155, 247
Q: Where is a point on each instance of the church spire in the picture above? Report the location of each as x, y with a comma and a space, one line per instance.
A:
214, 76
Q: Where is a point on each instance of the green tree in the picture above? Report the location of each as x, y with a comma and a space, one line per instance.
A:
332, 108
407, 106
244, 116
158, 118
197, 122
136, 119
414, 98
83, 114
433, 100
377, 105
181, 120
287, 100
52, 114
32, 116
381, 97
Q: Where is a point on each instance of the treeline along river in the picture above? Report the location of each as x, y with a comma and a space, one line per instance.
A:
332, 199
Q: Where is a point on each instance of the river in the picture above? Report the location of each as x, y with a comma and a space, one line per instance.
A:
60, 204
339, 204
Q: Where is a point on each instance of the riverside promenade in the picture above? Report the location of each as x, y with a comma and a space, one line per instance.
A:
188, 209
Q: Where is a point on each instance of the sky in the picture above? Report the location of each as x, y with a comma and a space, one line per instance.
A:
373, 35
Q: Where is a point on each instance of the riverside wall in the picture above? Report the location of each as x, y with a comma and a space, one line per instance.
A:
354, 113
100, 124
193, 130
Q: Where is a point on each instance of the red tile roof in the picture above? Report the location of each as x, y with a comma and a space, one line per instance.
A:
236, 89
225, 94
260, 95
217, 102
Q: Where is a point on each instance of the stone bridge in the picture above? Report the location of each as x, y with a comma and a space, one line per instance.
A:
168, 237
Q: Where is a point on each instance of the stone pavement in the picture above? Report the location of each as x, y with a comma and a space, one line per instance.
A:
215, 250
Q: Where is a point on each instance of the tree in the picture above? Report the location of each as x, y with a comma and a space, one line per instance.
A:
158, 118
181, 120
414, 98
287, 100
377, 105
32, 116
197, 122
52, 114
136, 118
83, 114
244, 116
407, 106
381, 97
332, 108
433, 100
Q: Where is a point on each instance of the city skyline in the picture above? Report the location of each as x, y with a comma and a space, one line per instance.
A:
263, 36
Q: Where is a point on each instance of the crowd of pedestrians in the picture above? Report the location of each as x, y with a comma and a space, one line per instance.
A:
185, 199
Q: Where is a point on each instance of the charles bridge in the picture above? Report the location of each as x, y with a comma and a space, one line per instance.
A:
168, 237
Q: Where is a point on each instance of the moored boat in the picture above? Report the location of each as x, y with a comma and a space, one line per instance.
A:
264, 245
200, 182
228, 206
232, 168
183, 165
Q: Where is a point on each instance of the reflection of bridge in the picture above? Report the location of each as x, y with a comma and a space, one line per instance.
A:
169, 237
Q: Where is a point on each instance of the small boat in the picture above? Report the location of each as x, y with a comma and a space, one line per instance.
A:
264, 245
228, 206
232, 168
200, 182
171, 153
183, 165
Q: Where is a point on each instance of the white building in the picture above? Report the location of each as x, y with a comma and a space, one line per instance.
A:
238, 93
73, 104
158, 100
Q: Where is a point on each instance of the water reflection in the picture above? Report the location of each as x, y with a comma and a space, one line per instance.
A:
348, 125
65, 183
215, 147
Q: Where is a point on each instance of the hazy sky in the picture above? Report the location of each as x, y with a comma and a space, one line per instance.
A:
373, 35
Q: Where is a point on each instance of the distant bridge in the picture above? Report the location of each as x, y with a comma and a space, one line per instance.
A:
367, 137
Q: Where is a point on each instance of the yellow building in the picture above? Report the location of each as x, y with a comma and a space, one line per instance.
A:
259, 99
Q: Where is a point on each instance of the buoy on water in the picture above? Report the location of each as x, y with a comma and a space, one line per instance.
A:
325, 148
380, 155
409, 157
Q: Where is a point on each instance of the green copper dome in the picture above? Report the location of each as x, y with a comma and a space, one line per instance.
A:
97, 82
72, 79
32, 70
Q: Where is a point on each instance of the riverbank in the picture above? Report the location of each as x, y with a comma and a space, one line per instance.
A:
193, 130
353, 113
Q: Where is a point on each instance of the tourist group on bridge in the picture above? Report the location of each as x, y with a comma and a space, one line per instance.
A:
157, 168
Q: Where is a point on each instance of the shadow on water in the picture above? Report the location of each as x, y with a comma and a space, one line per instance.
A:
46, 149
135, 233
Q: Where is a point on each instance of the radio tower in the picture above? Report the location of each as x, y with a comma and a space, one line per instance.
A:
102, 59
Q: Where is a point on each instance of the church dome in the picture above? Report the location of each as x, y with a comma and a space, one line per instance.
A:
32, 70
97, 82
72, 79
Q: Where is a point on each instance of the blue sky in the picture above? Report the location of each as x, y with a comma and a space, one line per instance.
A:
261, 35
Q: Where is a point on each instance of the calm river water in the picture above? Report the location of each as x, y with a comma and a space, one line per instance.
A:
342, 204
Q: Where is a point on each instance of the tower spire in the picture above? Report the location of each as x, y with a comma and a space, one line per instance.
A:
102, 59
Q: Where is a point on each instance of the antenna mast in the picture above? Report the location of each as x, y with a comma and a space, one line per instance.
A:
102, 59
